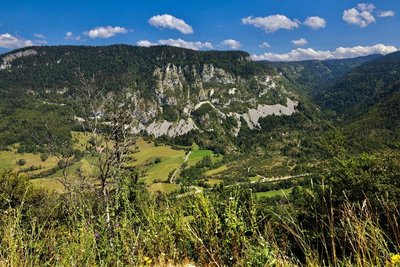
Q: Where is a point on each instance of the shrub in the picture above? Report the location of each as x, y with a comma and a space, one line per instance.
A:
21, 162
44, 157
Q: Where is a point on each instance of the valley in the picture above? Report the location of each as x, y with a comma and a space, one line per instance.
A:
199, 120
121, 155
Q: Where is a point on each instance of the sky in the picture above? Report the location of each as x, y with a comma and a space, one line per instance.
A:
279, 30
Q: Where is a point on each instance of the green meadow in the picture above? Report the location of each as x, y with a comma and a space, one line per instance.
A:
216, 171
9, 159
155, 163
274, 193
147, 157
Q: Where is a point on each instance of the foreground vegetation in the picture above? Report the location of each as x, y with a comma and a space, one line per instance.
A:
346, 217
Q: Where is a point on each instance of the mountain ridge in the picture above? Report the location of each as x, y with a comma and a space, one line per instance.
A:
175, 90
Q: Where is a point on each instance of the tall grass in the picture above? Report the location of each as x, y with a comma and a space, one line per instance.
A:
215, 229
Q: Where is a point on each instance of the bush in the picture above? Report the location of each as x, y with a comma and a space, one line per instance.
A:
44, 157
21, 162
157, 160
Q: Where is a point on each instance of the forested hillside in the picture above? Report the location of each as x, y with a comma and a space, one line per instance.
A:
359, 94
314, 75
213, 98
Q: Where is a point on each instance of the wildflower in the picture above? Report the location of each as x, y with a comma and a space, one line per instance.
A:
395, 260
96, 235
147, 260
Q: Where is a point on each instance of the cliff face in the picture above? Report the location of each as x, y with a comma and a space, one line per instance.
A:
188, 91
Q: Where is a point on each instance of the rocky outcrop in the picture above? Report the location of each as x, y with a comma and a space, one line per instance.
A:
7, 60
262, 111
186, 88
171, 129
215, 75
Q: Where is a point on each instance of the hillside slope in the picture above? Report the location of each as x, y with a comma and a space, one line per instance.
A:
176, 92
313, 75
366, 102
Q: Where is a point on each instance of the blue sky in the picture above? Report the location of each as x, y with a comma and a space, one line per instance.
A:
267, 29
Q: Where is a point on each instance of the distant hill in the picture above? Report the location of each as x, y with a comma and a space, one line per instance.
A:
367, 101
362, 87
360, 94
313, 75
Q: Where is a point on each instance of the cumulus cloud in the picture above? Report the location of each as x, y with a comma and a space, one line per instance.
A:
10, 41
177, 43
145, 43
361, 15
272, 23
300, 42
384, 14
315, 22
338, 53
105, 32
72, 36
171, 22
185, 44
265, 45
233, 44
69, 34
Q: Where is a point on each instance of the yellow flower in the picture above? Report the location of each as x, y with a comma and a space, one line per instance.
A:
147, 260
395, 260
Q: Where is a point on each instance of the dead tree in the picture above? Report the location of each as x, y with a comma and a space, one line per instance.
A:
108, 117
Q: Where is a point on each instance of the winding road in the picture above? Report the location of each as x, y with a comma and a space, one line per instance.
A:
173, 177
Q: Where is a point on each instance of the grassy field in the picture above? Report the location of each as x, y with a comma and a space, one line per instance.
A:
50, 184
170, 160
198, 155
212, 182
254, 179
8, 160
273, 193
218, 170
163, 187
148, 151
85, 165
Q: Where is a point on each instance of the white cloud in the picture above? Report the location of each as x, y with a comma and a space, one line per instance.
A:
168, 21
145, 43
300, 42
265, 45
272, 23
9, 41
186, 44
105, 32
315, 22
233, 44
341, 52
39, 35
71, 36
361, 15
384, 14
177, 43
